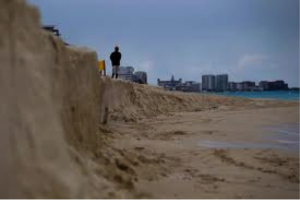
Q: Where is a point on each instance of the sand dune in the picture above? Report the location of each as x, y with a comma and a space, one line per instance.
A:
54, 142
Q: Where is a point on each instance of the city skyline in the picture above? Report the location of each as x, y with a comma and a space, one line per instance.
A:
229, 80
248, 39
221, 83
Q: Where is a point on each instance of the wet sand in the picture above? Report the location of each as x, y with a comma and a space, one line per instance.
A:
174, 164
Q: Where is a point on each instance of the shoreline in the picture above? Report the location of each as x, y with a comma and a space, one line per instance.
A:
270, 99
231, 94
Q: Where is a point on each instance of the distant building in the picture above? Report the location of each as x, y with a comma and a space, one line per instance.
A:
243, 86
141, 76
249, 83
264, 85
182, 87
239, 86
178, 85
221, 82
189, 86
126, 73
169, 85
208, 82
232, 86
281, 85
274, 85
294, 89
200, 84
195, 86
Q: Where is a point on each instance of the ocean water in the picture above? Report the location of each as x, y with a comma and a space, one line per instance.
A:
279, 95
283, 136
287, 135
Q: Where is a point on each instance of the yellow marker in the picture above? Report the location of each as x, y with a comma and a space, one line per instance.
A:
101, 65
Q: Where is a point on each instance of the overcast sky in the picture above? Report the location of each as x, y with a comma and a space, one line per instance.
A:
248, 39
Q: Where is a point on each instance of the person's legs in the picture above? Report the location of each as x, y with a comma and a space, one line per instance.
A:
113, 71
117, 71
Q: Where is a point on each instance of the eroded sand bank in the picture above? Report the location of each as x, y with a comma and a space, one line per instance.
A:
53, 143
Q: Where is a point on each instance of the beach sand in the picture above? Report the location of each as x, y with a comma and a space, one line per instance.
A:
67, 132
174, 165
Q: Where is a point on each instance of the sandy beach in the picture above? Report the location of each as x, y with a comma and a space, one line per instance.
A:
175, 165
67, 132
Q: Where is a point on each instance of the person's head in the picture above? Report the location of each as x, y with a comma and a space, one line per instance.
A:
116, 48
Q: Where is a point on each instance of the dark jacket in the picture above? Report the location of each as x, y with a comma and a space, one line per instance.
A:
115, 58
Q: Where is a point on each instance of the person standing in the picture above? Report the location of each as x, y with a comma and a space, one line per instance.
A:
115, 58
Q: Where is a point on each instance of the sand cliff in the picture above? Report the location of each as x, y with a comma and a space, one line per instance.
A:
53, 103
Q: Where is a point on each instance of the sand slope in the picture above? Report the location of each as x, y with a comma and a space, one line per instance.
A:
50, 110
52, 105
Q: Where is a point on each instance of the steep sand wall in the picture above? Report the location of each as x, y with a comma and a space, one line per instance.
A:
51, 105
50, 108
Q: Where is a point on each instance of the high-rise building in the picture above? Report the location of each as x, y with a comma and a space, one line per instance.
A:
208, 82
126, 73
222, 82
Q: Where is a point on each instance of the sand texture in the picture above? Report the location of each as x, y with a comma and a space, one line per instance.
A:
66, 132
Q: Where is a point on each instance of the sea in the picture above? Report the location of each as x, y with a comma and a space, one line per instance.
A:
285, 136
282, 136
278, 95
